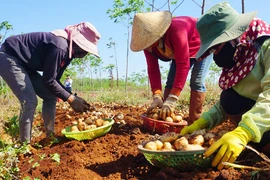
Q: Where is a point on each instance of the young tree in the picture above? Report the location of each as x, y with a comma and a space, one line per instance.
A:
110, 68
123, 12
112, 44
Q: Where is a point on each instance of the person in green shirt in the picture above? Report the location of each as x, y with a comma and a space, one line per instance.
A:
240, 44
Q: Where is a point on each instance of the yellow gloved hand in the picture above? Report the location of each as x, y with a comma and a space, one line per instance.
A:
229, 146
168, 106
201, 123
157, 102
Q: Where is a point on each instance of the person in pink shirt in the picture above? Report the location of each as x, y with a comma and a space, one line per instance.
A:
177, 41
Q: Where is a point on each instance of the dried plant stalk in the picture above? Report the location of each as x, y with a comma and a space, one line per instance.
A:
245, 167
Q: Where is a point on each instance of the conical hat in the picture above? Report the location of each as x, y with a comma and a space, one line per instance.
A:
148, 28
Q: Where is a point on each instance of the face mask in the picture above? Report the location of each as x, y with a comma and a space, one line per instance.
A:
224, 58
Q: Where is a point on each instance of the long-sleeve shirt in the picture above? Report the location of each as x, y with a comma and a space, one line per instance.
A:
256, 86
183, 40
42, 51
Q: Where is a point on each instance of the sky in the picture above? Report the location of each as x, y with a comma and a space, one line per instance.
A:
32, 16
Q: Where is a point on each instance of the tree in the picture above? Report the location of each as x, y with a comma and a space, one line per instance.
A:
123, 12
111, 44
5, 27
110, 68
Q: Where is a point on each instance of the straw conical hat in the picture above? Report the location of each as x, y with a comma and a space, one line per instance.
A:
148, 28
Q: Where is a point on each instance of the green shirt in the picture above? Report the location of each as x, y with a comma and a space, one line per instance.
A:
256, 86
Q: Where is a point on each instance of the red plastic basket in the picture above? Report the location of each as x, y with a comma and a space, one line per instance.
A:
161, 127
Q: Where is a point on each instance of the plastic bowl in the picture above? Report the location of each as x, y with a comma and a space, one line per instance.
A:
88, 134
181, 160
161, 127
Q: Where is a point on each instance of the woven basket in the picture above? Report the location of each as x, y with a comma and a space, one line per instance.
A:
88, 134
181, 160
161, 127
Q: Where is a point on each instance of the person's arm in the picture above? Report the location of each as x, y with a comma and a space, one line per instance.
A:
153, 72
210, 119
257, 119
50, 72
214, 116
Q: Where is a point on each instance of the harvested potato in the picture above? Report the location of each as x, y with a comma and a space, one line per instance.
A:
208, 136
155, 116
92, 126
74, 122
81, 126
167, 146
159, 144
199, 132
193, 147
169, 119
168, 137
74, 129
180, 143
105, 122
198, 139
99, 122
178, 118
151, 145
88, 121
211, 141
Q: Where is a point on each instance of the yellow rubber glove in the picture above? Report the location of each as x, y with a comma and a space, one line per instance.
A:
197, 125
157, 102
229, 146
168, 106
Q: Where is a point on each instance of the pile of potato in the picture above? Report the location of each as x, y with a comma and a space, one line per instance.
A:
176, 118
90, 120
171, 141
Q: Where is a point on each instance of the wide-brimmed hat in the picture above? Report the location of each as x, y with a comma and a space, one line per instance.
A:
84, 34
148, 28
219, 24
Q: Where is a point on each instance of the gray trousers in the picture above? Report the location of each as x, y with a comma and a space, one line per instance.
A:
26, 85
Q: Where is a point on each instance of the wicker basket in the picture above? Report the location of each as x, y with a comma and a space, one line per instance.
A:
88, 134
161, 127
181, 160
